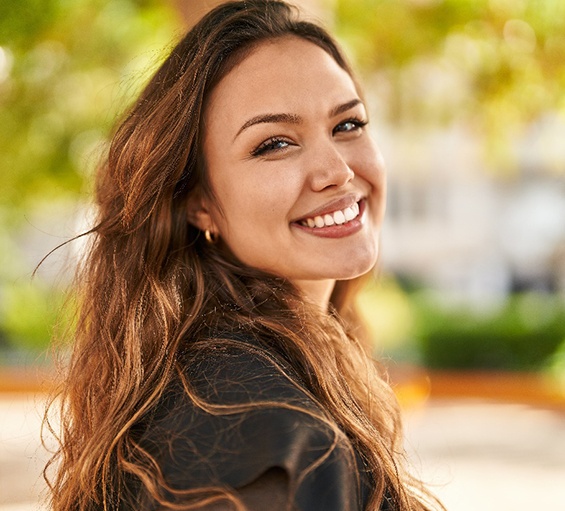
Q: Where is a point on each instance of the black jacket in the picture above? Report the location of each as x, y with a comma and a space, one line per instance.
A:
279, 425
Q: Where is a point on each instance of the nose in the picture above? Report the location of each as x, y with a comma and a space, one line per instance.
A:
328, 167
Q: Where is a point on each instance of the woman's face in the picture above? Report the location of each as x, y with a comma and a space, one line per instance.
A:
298, 182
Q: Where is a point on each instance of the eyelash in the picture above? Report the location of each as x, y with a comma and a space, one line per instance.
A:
357, 123
269, 145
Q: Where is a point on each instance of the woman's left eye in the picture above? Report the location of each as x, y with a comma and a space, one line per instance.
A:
349, 125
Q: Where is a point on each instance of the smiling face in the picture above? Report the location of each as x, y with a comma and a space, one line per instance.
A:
298, 182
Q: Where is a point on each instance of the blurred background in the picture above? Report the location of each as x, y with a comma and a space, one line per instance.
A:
467, 101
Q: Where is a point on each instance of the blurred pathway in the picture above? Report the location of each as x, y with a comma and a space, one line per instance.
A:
487, 456
21, 455
478, 455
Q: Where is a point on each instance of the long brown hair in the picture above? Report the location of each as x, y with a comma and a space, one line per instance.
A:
151, 288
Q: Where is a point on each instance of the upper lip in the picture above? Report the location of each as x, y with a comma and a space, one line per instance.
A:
337, 204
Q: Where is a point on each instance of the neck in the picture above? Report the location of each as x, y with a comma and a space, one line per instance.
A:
317, 292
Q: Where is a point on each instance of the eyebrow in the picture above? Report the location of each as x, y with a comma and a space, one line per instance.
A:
340, 109
270, 118
293, 118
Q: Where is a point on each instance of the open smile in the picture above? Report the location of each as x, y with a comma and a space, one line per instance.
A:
338, 217
335, 224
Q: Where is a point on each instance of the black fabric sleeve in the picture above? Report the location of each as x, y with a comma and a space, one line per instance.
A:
281, 429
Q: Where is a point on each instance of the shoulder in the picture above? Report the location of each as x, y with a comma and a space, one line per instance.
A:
239, 372
242, 413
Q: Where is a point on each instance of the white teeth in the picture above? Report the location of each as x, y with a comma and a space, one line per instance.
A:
339, 217
336, 218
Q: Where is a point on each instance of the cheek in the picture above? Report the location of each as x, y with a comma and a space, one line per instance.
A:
248, 207
368, 164
268, 191
370, 167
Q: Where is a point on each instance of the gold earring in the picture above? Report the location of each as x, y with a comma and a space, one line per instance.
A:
211, 237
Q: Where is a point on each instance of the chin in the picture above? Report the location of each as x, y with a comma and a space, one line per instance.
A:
351, 271
359, 265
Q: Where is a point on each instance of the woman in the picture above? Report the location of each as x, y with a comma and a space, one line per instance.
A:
215, 363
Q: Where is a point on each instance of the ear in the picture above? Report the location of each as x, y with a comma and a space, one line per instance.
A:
198, 211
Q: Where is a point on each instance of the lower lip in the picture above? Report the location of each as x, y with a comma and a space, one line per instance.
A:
337, 231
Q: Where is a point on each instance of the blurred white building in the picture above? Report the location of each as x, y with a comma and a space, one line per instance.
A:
458, 226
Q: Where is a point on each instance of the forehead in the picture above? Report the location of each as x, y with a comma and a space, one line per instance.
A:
286, 74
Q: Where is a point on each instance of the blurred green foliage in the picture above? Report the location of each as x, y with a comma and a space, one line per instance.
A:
557, 365
495, 65
524, 333
29, 311
68, 67
388, 314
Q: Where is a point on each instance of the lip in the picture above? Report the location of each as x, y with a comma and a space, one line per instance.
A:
337, 204
335, 231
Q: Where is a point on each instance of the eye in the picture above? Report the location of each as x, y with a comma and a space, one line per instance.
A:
270, 146
350, 125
